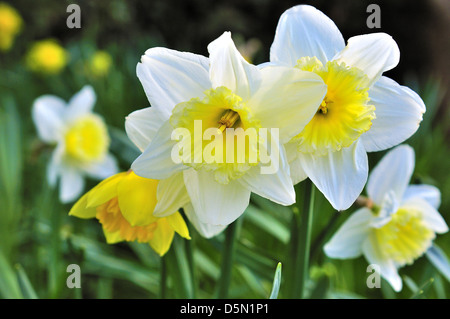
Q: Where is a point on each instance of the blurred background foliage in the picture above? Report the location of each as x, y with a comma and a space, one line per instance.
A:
37, 238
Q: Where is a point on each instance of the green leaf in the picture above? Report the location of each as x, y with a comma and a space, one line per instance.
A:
25, 284
9, 286
439, 260
421, 292
267, 222
276, 283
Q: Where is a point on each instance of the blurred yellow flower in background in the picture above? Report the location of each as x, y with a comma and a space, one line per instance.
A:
10, 26
100, 63
47, 57
124, 205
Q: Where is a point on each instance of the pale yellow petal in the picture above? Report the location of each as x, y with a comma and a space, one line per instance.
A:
112, 238
179, 225
105, 190
162, 237
80, 209
137, 199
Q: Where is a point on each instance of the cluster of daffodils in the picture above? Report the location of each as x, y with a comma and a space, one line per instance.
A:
313, 111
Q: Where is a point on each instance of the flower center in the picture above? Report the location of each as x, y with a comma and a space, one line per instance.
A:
405, 237
345, 112
219, 126
87, 139
110, 216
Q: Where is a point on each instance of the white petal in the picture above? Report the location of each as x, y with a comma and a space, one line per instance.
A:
170, 77
305, 31
295, 166
287, 91
48, 116
388, 270
339, 175
156, 161
54, 166
228, 68
141, 126
392, 173
298, 174
215, 203
372, 53
398, 111
171, 194
81, 103
206, 230
71, 185
347, 241
430, 215
103, 169
277, 186
429, 193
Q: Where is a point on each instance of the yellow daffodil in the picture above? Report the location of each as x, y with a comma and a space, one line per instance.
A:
47, 57
124, 205
81, 140
10, 26
399, 223
224, 92
362, 110
100, 63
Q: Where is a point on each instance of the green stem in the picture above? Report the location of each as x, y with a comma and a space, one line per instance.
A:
190, 259
227, 259
305, 240
163, 282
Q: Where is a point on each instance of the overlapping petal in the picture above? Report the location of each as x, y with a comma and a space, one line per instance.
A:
215, 203
287, 99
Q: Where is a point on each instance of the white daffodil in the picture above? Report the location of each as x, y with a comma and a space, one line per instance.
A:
171, 194
399, 223
362, 111
81, 139
223, 92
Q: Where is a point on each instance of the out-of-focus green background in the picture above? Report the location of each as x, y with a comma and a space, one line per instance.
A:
37, 238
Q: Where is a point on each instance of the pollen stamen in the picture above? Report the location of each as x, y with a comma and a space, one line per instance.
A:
228, 119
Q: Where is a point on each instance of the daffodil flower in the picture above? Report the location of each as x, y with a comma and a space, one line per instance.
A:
124, 205
171, 194
223, 92
10, 25
362, 111
47, 57
81, 139
399, 223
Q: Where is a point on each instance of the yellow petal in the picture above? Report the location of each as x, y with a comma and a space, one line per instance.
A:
179, 225
162, 237
112, 238
104, 191
80, 209
137, 199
